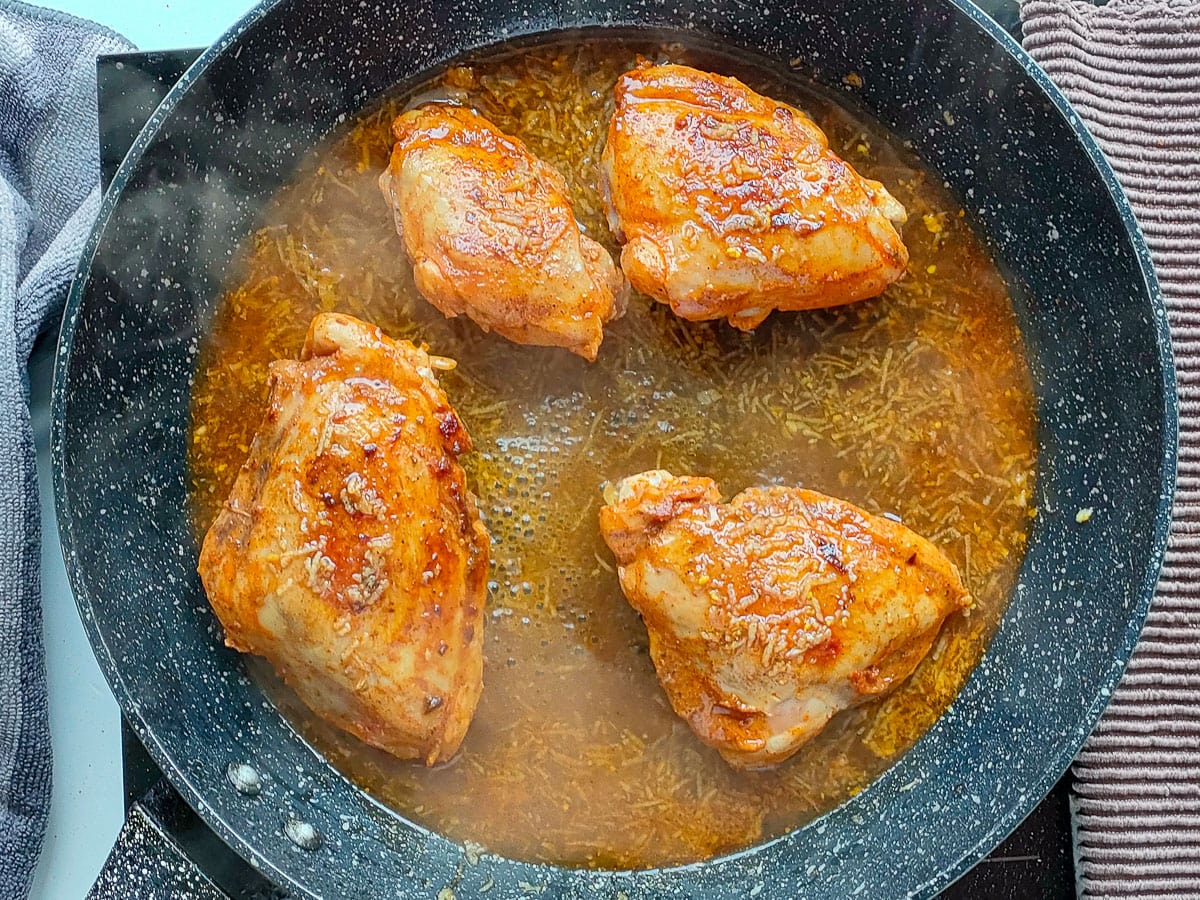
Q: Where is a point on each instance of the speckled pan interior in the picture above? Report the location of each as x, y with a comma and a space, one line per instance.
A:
938, 73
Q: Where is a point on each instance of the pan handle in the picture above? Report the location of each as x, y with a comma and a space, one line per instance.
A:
147, 863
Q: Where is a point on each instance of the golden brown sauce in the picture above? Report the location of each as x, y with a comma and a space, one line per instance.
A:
918, 403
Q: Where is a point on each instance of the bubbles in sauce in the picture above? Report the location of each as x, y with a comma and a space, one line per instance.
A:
918, 403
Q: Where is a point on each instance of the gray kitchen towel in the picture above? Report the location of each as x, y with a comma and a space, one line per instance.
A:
1132, 70
49, 194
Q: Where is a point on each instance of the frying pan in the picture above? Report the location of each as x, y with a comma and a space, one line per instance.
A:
938, 73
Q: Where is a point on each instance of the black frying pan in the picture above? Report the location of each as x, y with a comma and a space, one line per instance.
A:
1035, 186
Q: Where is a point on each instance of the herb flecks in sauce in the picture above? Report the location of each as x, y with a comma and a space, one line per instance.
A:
918, 403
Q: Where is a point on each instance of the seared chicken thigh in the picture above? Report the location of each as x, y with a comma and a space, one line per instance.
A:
490, 232
770, 614
350, 553
731, 205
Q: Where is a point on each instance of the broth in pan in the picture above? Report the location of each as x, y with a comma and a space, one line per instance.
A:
918, 403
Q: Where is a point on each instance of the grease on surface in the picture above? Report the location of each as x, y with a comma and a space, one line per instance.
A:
917, 404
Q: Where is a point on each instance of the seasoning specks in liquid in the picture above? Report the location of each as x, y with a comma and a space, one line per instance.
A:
918, 404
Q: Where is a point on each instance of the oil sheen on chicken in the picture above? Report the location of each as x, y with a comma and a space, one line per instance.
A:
490, 232
731, 205
770, 614
350, 553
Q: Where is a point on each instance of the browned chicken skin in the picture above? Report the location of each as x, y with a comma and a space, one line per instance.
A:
770, 614
490, 232
731, 205
350, 553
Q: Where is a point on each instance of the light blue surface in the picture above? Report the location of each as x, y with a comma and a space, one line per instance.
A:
87, 807
158, 25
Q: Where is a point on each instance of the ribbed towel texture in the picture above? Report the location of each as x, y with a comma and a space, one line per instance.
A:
49, 194
1132, 70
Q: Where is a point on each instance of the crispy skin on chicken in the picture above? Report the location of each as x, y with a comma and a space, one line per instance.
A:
350, 553
490, 232
770, 614
731, 205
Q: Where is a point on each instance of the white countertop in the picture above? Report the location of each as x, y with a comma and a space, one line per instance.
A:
87, 806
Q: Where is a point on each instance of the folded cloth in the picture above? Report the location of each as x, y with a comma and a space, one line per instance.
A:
49, 194
1132, 71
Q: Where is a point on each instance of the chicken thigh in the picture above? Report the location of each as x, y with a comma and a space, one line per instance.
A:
731, 205
770, 614
490, 232
350, 553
